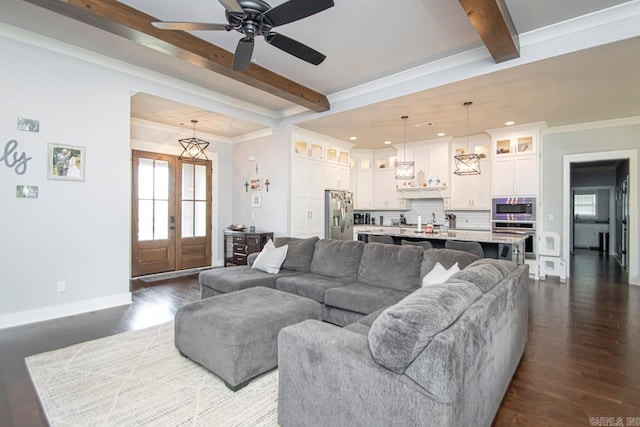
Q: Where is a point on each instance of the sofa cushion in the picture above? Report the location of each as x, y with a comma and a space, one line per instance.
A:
308, 285
503, 265
337, 258
439, 274
403, 330
446, 257
484, 276
390, 266
231, 279
361, 298
270, 258
299, 254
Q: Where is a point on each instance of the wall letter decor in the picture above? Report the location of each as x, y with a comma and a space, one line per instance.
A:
18, 162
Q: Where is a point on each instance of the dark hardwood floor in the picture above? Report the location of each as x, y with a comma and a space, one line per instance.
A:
582, 358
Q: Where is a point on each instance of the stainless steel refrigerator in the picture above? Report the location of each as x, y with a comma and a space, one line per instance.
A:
338, 216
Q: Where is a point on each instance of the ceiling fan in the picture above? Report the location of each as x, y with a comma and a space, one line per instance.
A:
256, 18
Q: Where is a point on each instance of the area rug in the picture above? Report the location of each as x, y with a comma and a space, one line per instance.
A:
138, 378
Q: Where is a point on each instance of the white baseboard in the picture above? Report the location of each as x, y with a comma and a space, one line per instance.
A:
63, 310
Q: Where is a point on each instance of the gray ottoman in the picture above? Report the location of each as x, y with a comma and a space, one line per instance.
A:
235, 335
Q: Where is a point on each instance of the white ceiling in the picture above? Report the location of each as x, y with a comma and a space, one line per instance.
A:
374, 39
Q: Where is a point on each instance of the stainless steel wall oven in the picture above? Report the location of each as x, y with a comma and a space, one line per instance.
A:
525, 228
514, 209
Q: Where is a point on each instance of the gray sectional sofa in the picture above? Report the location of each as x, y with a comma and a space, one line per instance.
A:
402, 355
350, 278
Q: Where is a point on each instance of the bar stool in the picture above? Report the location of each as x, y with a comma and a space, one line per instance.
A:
472, 247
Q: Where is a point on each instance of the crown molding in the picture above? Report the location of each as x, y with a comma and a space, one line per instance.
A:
626, 121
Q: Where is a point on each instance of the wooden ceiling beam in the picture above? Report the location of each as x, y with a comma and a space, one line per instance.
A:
130, 23
492, 21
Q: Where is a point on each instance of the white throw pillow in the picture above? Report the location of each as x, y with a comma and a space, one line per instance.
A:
271, 258
439, 274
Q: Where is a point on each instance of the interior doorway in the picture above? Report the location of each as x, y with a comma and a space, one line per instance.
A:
611, 231
171, 213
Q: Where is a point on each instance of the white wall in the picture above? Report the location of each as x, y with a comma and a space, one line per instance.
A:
78, 232
272, 157
75, 231
574, 141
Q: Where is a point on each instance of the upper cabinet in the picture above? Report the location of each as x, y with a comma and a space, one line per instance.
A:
318, 162
431, 159
515, 153
374, 181
472, 192
362, 182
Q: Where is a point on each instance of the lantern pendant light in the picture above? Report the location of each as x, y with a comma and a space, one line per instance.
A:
193, 148
467, 164
404, 169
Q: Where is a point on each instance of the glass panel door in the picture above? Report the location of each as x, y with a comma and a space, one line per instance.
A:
153, 249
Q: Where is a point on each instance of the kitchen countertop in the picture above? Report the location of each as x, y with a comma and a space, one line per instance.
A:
463, 235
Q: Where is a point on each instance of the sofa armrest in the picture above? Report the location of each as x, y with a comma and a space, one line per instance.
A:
251, 258
328, 377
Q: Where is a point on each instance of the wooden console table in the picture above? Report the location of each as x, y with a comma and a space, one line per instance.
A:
239, 244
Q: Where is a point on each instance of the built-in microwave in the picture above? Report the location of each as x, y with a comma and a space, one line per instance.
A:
514, 209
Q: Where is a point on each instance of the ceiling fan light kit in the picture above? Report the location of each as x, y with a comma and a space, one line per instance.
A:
467, 164
256, 18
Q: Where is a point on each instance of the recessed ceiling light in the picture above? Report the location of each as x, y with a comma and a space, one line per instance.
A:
387, 142
441, 134
423, 124
353, 138
509, 123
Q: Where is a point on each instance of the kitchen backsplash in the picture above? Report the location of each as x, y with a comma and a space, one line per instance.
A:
473, 220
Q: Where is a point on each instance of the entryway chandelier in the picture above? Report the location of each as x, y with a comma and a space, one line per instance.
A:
404, 169
193, 148
467, 163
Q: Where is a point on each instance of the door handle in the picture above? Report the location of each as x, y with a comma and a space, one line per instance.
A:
172, 219
172, 228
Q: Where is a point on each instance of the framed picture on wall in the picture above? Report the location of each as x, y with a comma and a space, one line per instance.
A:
29, 125
256, 184
256, 200
66, 162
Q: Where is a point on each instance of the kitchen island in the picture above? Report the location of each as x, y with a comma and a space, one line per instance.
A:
495, 245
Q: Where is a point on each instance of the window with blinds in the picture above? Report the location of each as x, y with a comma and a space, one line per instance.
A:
585, 204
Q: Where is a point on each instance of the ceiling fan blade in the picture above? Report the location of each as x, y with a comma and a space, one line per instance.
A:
242, 57
232, 6
188, 26
295, 48
294, 10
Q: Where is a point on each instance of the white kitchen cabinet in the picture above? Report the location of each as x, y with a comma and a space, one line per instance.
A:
336, 176
363, 193
385, 194
431, 162
318, 162
584, 236
472, 192
362, 186
438, 161
587, 235
307, 197
515, 162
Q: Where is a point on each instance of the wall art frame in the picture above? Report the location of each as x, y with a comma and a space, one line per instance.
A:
256, 200
66, 162
256, 184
